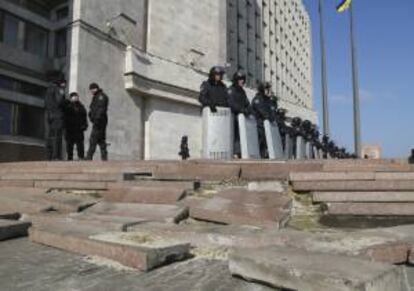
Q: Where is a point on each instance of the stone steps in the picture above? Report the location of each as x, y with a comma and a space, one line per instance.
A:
392, 185
358, 197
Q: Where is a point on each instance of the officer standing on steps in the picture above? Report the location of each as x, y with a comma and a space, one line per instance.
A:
239, 104
263, 109
54, 106
98, 115
213, 92
76, 123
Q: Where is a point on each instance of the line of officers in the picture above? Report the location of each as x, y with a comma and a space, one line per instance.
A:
214, 93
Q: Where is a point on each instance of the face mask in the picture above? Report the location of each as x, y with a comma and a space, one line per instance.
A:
61, 91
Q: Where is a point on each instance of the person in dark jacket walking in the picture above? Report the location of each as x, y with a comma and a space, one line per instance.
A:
54, 106
264, 109
239, 104
213, 92
75, 125
98, 115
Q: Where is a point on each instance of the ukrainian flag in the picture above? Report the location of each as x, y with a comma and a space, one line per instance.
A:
343, 6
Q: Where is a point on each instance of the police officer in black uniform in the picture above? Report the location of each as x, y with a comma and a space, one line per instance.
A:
263, 109
54, 106
213, 92
75, 125
239, 104
98, 115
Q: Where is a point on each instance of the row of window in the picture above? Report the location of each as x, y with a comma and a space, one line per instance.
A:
35, 38
21, 120
11, 84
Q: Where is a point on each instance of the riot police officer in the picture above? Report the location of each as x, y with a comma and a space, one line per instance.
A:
99, 117
54, 106
213, 92
239, 104
263, 109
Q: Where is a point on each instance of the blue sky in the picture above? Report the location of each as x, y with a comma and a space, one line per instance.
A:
385, 36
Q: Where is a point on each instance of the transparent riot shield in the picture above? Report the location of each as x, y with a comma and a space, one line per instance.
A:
218, 135
274, 141
288, 146
300, 148
249, 140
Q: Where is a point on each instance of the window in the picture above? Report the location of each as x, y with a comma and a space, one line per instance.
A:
22, 120
6, 120
34, 6
11, 84
9, 28
62, 13
60, 43
36, 40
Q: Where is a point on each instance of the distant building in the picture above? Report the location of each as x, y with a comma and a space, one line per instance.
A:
372, 152
150, 56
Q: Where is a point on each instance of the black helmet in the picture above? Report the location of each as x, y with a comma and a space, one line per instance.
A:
263, 86
216, 70
307, 125
296, 122
239, 75
281, 112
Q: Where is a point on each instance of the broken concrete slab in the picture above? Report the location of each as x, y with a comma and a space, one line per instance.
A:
143, 258
226, 211
300, 270
151, 212
331, 176
354, 186
390, 196
13, 229
276, 186
371, 209
145, 195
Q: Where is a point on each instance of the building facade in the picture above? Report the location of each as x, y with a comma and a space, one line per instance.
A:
150, 57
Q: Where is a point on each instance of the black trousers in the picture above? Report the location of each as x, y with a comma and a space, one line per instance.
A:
262, 141
98, 138
54, 140
236, 145
72, 140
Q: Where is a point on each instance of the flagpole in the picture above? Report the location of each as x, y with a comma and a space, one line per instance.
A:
355, 78
325, 105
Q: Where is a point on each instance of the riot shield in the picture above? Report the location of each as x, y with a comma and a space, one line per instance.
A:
218, 134
249, 140
274, 141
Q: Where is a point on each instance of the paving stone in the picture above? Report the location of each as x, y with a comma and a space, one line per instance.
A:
371, 209
12, 229
354, 186
331, 176
300, 270
225, 211
276, 186
190, 185
390, 196
145, 257
152, 212
145, 195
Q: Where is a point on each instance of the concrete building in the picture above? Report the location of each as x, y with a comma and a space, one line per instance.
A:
150, 57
